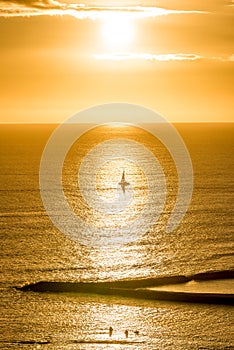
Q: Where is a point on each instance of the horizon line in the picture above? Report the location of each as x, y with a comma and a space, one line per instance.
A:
172, 122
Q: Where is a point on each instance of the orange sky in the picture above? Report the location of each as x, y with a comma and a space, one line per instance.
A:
58, 57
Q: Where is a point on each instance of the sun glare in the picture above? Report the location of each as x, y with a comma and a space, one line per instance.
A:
118, 125
117, 30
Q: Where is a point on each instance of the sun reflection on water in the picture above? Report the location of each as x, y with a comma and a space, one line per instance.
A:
92, 182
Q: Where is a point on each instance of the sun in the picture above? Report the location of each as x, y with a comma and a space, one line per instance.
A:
117, 30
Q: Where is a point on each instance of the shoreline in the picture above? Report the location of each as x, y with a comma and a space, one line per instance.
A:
140, 288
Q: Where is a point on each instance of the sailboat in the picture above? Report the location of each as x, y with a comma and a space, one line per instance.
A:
123, 182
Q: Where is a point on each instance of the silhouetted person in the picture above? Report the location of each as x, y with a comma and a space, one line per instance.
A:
110, 331
126, 333
136, 332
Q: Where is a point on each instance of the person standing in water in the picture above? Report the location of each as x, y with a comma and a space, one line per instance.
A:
110, 331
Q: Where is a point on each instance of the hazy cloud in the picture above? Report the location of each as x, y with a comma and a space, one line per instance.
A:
80, 10
43, 4
148, 57
159, 58
202, 5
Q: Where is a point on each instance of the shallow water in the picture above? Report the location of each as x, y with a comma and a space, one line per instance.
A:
215, 286
65, 321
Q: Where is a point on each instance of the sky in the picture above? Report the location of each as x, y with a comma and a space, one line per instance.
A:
60, 56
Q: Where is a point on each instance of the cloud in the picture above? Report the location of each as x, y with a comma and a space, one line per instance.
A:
80, 10
27, 4
202, 5
160, 57
34, 7
224, 59
148, 57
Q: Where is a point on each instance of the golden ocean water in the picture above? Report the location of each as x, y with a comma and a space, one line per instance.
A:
33, 249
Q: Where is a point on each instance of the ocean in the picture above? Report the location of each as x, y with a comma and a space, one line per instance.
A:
135, 243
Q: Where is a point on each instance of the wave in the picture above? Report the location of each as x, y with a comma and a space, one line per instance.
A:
139, 288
